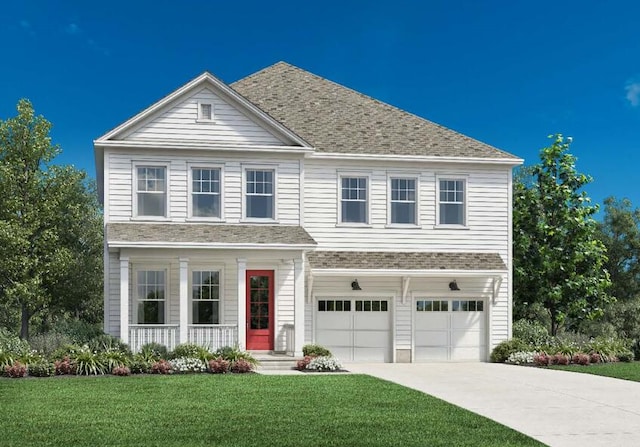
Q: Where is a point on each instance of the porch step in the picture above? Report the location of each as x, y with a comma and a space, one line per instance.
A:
275, 362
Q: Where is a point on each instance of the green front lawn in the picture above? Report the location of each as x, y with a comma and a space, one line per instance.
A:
233, 410
618, 370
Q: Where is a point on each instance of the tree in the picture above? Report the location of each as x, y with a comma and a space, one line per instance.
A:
50, 225
558, 258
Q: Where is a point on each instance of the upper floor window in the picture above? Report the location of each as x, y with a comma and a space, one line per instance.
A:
205, 192
259, 200
205, 297
353, 199
151, 191
451, 202
403, 201
150, 294
205, 111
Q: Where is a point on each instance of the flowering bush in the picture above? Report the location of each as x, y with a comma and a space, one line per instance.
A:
219, 365
580, 359
324, 363
161, 367
41, 369
241, 366
121, 371
541, 359
16, 370
64, 366
559, 359
188, 365
521, 357
301, 365
595, 357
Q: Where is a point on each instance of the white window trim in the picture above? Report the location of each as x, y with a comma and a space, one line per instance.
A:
190, 168
416, 223
134, 189
465, 214
341, 175
259, 167
207, 268
200, 119
133, 316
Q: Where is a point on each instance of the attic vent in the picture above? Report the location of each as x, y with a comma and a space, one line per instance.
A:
205, 112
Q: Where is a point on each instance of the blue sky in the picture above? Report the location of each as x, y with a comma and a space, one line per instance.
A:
508, 73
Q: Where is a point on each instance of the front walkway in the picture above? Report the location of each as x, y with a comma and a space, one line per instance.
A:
555, 407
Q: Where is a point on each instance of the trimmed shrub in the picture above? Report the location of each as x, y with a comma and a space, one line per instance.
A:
626, 356
315, 351
559, 359
241, 366
64, 367
121, 371
15, 371
504, 349
580, 359
541, 359
324, 363
219, 365
161, 367
154, 352
595, 357
41, 369
233, 354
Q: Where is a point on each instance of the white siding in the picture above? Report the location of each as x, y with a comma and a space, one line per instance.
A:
285, 304
121, 175
180, 124
112, 299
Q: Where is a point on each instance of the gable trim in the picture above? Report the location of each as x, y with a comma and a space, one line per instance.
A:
415, 158
220, 88
166, 144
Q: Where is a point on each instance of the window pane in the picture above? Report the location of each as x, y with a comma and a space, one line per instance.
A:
206, 205
151, 204
354, 211
444, 306
403, 213
383, 306
322, 305
347, 306
205, 312
479, 306
151, 312
451, 214
260, 206
428, 306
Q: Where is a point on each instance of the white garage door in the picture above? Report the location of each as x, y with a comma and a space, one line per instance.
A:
355, 329
449, 330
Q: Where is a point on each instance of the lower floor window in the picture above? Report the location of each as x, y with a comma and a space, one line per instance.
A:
151, 289
205, 296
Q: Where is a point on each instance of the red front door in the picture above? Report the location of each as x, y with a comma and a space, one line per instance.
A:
260, 310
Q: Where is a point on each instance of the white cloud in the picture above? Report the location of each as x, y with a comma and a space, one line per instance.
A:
633, 93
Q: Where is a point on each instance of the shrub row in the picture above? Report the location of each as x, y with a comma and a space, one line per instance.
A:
318, 358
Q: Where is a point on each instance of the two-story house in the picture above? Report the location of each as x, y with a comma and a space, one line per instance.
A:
286, 209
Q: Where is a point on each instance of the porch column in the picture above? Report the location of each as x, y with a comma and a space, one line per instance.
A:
124, 298
184, 300
298, 308
242, 303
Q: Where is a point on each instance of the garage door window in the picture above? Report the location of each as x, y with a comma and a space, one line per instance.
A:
432, 306
371, 306
467, 306
334, 306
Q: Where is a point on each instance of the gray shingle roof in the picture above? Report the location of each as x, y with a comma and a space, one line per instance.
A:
365, 260
333, 118
208, 233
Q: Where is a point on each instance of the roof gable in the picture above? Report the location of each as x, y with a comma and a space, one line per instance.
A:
345, 121
174, 118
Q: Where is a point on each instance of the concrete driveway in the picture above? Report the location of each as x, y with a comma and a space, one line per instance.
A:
557, 408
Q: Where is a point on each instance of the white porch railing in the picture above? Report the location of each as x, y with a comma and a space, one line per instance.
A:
289, 338
164, 334
215, 336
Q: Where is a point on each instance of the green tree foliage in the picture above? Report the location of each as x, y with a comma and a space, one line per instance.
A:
558, 259
50, 228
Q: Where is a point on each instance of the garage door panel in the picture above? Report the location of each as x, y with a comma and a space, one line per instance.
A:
334, 337
467, 320
371, 355
435, 354
371, 321
334, 320
342, 353
431, 338
471, 338
466, 354
432, 321
371, 339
